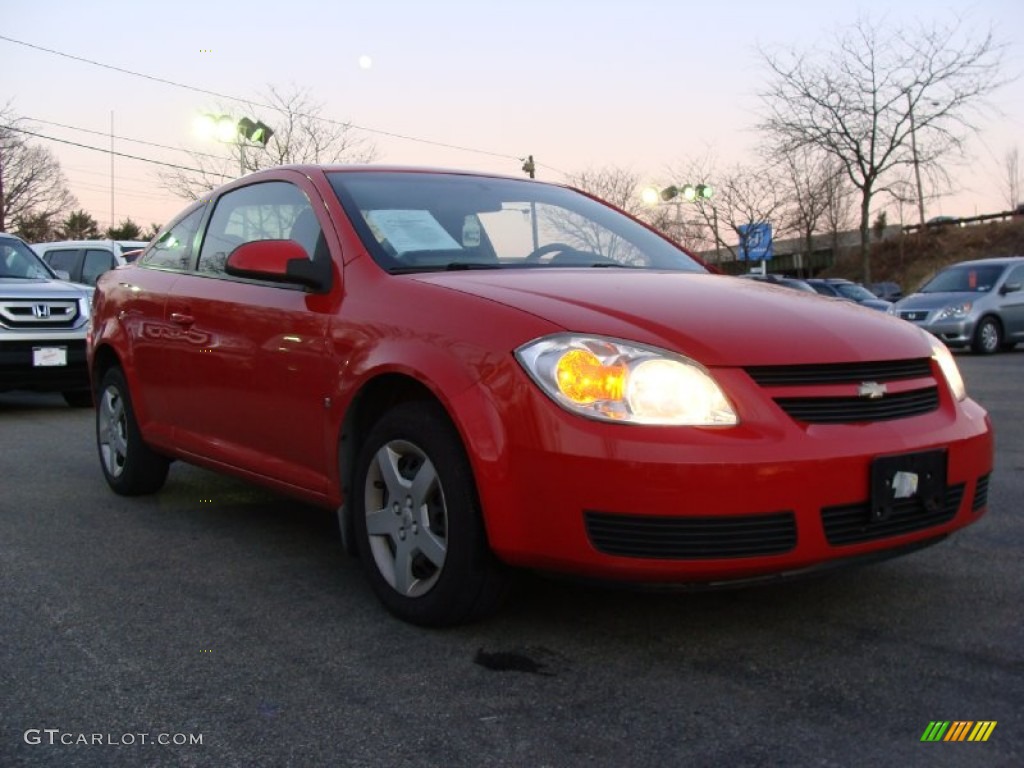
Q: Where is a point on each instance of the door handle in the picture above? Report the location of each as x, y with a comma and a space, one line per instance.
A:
180, 318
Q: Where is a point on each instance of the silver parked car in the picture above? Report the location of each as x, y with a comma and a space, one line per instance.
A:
979, 304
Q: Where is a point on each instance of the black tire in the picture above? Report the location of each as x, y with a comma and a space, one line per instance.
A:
130, 466
427, 559
988, 336
81, 398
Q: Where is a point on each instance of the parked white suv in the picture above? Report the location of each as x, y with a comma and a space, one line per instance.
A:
85, 260
43, 323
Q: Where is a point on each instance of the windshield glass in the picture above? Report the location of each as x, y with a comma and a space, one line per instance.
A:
855, 292
966, 278
19, 261
433, 221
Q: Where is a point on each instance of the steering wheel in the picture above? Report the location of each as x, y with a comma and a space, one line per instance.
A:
544, 250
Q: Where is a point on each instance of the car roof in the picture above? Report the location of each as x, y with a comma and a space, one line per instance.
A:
995, 261
75, 243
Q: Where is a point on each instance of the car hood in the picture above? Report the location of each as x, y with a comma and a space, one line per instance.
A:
717, 320
937, 300
16, 288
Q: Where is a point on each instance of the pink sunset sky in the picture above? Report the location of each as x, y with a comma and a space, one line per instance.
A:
644, 85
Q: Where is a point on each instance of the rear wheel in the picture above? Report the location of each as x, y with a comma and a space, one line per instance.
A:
130, 466
988, 336
417, 521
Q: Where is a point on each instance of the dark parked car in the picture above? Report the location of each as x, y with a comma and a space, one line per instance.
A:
887, 291
979, 304
845, 289
484, 373
786, 282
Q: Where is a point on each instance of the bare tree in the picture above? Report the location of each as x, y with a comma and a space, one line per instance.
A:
301, 134
812, 185
32, 184
883, 98
742, 195
618, 186
1013, 179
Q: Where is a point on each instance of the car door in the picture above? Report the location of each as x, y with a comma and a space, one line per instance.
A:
95, 263
1011, 304
143, 292
67, 260
254, 352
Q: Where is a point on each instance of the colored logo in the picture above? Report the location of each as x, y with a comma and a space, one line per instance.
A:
958, 730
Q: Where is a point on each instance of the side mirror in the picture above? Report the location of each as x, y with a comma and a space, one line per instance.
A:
279, 261
1010, 288
62, 274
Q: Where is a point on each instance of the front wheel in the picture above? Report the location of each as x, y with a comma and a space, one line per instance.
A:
417, 521
130, 466
988, 336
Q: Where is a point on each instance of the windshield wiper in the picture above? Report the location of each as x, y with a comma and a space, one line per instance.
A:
452, 266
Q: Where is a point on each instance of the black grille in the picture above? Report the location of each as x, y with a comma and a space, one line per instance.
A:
980, 494
916, 316
852, 523
691, 537
840, 373
847, 410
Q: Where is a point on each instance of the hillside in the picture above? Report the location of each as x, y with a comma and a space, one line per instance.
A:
911, 259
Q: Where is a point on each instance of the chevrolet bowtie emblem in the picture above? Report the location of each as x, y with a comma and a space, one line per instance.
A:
872, 390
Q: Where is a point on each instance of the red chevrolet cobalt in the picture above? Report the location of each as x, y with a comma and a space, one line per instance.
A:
485, 373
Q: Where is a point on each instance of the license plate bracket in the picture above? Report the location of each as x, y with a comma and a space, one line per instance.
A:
920, 475
48, 357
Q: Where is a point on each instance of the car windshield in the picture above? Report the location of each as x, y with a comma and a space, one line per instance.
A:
413, 222
964, 278
18, 261
855, 292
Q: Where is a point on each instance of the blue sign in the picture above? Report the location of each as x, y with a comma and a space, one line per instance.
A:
755, 242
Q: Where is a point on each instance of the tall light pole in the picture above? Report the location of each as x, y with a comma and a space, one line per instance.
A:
913, 153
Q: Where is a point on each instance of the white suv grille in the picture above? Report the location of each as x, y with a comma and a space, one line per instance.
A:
38, 313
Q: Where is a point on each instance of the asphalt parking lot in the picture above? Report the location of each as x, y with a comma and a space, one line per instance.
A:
219, 613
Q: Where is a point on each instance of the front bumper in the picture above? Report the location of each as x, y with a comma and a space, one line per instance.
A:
685, 505
955, 334
18, 371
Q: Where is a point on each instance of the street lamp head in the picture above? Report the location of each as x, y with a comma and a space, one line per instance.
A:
689, 192
650, 196
254, 131
225, 128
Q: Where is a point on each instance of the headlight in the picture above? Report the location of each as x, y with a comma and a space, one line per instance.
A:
955, 312
942, 355
615, 381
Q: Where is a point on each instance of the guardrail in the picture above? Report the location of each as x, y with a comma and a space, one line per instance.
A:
963, 221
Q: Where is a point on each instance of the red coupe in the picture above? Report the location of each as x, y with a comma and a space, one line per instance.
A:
486, 373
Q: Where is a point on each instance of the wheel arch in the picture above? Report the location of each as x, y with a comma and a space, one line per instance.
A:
376, 396
471, 414
104, 358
